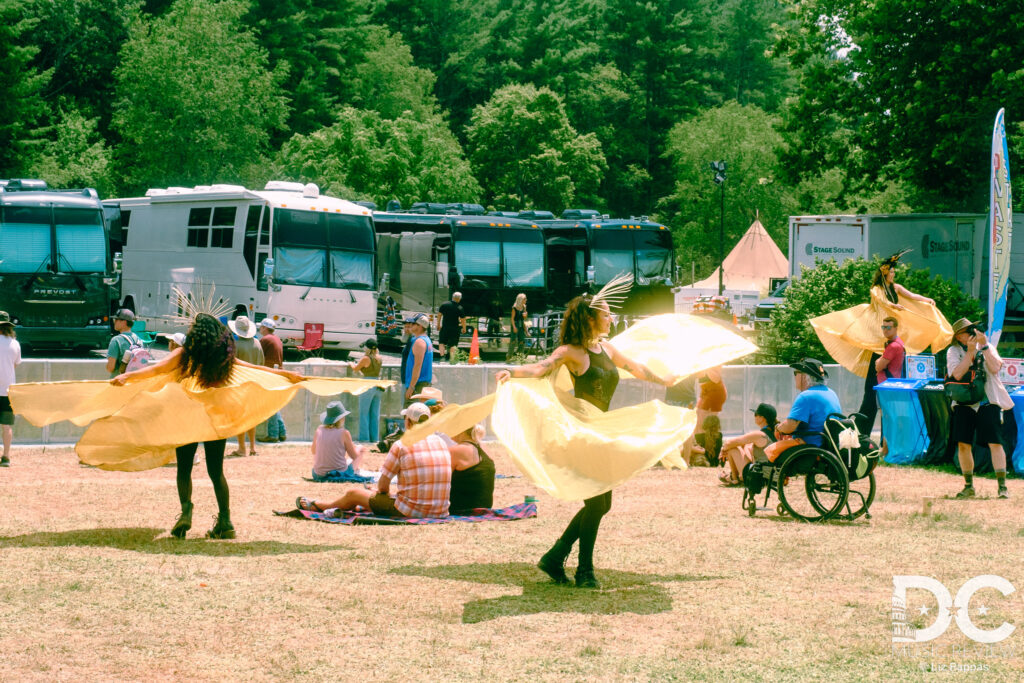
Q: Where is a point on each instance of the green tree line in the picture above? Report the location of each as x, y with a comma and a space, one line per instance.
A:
817, 106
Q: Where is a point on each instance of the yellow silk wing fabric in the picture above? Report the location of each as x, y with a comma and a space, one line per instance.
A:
679, 344
137, 426
571, 449
853, 334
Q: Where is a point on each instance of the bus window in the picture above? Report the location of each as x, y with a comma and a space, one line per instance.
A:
265, 229
252, 228
653, 255
323, 250
351, 268
81, 243
478, 258
24, 239
524, 264
612, 254
261, 279
299, 266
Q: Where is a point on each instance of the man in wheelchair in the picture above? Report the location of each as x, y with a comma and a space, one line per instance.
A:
814, 403
827, 455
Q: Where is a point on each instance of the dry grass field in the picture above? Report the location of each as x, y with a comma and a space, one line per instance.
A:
93, 588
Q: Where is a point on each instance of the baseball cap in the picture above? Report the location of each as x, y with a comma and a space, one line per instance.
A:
416, 412
125, 314
811, 367
422, 320
268, 323
410, 319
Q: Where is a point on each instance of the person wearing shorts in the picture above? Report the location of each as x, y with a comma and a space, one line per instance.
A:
982, 421
10, 356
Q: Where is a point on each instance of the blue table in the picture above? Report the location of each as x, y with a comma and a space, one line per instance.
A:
903, 420
1018, 413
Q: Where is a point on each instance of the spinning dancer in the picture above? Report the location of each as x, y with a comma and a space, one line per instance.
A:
207, 358
200, 392
593, 365
854, 335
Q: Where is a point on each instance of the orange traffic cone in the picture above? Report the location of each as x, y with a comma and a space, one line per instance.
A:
474, 349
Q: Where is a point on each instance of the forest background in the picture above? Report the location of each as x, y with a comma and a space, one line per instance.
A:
817, 106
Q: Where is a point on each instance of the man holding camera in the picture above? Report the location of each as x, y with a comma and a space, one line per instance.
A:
984, 418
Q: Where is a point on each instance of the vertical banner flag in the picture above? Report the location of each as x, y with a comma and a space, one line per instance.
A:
1000, 218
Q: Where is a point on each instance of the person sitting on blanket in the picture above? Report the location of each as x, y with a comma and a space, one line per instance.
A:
472, 473
424, 478
333, 448
807, 416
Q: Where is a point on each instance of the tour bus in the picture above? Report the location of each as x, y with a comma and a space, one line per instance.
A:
57, 277
585, 250
285, 253
424, 257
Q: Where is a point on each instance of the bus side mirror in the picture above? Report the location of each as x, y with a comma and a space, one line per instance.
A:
117, 266
590, 274
385, 283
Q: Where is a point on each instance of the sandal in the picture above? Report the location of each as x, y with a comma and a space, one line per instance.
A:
307, 504
235, 454
727, 480
253, 454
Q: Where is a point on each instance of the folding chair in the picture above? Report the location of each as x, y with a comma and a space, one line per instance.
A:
313, 340
139, 328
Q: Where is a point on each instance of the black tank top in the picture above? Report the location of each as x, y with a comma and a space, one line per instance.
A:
598, 383
473, 487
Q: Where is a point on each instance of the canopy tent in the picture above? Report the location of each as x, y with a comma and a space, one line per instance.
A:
751, 264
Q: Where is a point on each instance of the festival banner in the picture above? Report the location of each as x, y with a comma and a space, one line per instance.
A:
1000, 217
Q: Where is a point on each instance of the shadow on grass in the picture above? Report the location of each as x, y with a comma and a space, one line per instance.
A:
147, 541
621, 592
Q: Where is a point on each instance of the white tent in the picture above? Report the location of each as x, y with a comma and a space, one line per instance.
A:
751, 264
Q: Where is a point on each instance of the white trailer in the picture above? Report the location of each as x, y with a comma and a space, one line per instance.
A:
286, 253
950, 245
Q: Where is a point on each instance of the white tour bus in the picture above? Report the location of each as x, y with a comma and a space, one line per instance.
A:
284, 253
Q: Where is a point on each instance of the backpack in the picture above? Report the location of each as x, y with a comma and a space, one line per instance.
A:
137, 356
971, 388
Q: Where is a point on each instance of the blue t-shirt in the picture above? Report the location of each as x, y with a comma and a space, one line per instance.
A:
426, 368
811, 408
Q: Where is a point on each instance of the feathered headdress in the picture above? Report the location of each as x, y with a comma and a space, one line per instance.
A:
894, 259
200, 299
613, 294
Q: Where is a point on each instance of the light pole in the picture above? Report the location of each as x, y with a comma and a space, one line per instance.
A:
718, 167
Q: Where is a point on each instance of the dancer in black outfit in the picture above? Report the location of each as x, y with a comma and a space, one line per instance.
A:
208, 356
592, 364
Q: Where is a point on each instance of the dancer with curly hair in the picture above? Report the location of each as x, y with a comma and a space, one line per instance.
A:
208, 357
593, 365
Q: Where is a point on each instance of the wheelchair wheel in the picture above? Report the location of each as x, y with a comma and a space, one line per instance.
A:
826, 485
862, 494
751, 506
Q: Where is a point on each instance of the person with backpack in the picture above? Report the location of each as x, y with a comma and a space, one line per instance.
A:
971, 352
125, 345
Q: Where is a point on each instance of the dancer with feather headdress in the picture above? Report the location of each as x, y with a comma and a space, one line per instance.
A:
593, 365
199, 392
853, 336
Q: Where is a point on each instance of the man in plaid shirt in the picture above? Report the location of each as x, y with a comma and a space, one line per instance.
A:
424, 478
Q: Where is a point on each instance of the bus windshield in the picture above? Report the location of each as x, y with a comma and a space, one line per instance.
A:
653, 255
515, 256
614, 250
25, 240
323, 249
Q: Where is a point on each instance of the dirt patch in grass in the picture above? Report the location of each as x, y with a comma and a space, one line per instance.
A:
93, 588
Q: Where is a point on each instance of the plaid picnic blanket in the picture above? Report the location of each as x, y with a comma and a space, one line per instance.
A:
518, 511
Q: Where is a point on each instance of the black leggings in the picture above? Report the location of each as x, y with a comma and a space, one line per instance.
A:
869, 404
584, 527
214, 467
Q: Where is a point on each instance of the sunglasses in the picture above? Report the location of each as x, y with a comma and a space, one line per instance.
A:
886, 327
